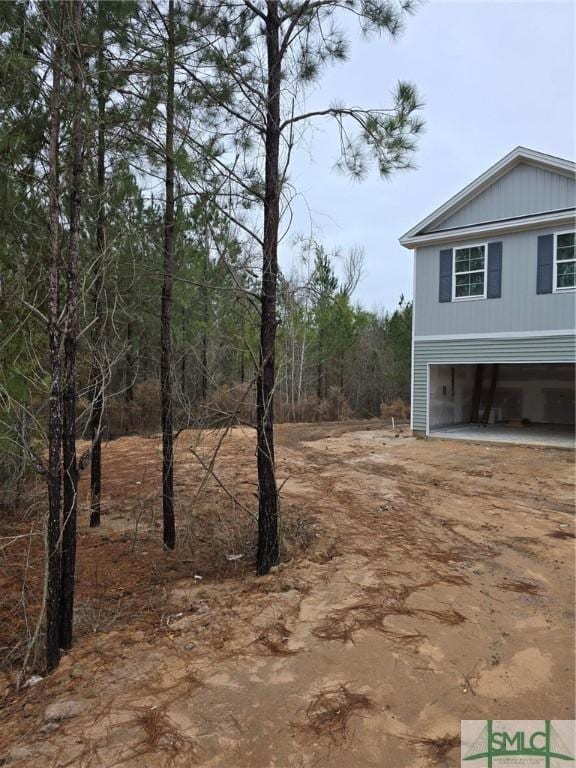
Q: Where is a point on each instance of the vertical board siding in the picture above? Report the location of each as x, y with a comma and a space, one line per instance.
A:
520, 309
543, 349
524, 190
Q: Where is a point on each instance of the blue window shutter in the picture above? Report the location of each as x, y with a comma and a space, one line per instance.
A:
544, 274
494, 272
446, 275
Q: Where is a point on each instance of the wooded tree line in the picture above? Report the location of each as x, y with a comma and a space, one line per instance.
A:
144, 190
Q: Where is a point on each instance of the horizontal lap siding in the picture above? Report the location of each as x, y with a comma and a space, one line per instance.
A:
543, 349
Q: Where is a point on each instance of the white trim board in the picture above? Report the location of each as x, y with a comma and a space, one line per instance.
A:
501, 335
490, 361
552, 220
412, 341
482, 182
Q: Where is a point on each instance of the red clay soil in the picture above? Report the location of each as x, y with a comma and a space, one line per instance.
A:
423, 583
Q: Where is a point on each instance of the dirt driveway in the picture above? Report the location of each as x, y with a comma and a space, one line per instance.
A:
437, 586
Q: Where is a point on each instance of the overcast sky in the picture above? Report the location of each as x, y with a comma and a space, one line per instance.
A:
493, 75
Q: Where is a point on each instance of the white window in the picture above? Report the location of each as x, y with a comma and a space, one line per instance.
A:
469, 272
564, 261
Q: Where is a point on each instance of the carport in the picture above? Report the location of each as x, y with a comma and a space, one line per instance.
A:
529, 403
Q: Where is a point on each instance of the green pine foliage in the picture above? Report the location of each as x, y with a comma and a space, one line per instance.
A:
325, 341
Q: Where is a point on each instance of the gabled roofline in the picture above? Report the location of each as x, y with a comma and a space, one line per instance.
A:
517, 156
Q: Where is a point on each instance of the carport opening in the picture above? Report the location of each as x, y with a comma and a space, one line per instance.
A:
520, 402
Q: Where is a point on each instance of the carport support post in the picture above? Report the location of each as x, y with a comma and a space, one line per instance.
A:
488, 408
475, 417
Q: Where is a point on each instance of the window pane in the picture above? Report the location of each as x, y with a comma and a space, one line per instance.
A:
462, 286
462, 260
566, 240
566, 275
468, 259
565, 246
477, 289
565, 253
471, 284
477, 284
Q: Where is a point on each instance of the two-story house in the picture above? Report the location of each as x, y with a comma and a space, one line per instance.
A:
493, 340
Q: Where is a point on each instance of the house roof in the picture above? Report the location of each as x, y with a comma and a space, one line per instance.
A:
476, 187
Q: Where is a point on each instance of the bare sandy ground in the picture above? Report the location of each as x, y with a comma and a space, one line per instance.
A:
438, 586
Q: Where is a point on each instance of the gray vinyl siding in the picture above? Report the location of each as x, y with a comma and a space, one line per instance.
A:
541, 349
520, 308
524, 190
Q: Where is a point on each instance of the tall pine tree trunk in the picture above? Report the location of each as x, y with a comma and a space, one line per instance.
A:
54, 477
205, 313
70, 486
166, 352
204, 348
268, 533
183, 380
129, 365
97, 377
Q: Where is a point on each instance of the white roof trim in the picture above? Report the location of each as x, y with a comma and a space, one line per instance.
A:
497, 335
517, 156
557, 219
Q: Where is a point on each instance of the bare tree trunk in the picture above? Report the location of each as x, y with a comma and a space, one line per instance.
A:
183, 381
205, 311
166, 352
97, 377
70, 495
268, 533
302, 359
55, 407
293, 371
23, 441
242, 342
204, 351
129, 369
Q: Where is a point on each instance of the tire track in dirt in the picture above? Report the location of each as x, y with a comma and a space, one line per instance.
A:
406, 614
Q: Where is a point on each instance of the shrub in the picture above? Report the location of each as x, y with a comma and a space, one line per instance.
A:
397, 409
303, 410
230, 403
141, 415
335, 407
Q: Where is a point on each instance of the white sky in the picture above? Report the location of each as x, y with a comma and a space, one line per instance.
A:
493, 75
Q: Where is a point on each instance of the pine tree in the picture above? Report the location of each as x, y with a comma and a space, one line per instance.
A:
263, 84
166, 347
54, 474
73, 11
